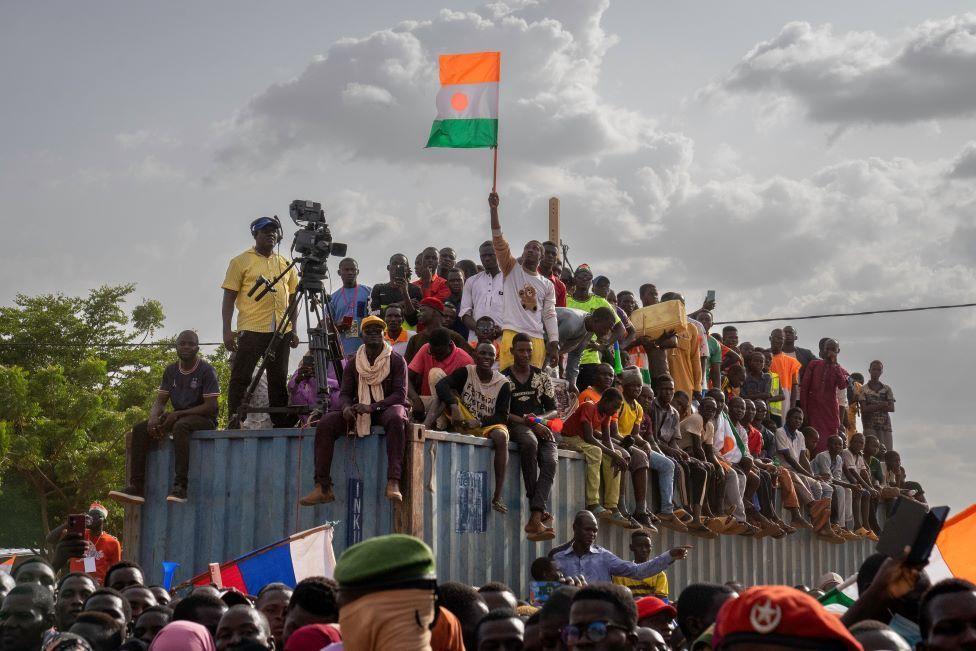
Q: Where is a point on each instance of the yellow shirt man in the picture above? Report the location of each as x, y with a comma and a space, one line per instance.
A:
242, 272
652, 586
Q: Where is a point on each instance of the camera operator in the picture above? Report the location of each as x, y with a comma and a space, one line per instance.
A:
257, 320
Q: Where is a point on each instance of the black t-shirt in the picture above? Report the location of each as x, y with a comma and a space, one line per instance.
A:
386, 294
187, 389
535, 396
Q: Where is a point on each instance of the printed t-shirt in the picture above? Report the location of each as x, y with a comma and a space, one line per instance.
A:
535, 396
187, 389
587, 412
352, 303
879, 420
629, 418
589, 306
529, 300
107, 552
423, 362
242, 272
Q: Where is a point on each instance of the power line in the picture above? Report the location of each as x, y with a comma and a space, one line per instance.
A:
846, 314
149, 344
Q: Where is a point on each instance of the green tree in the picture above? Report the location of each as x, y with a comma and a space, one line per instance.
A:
71, 385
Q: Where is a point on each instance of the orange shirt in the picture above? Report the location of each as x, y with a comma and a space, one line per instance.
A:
108, 552
587, 412
589, 394
788, 369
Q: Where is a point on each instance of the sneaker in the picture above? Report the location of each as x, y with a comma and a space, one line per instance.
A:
178, 494
129, 495
644, 519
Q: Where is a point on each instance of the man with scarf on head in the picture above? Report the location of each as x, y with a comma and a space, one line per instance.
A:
258, 319
386, 594
373, 392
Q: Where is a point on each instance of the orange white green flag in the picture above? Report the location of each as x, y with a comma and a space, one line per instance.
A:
954, 553
467, 102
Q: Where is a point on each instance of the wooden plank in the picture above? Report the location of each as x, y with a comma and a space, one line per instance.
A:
554, 221
132, 520
409, 514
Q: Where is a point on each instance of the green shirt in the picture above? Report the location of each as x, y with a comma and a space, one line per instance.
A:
589, 306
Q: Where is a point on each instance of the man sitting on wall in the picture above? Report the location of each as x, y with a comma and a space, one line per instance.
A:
374, 391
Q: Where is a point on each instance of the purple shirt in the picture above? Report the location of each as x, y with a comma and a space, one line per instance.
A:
394, 386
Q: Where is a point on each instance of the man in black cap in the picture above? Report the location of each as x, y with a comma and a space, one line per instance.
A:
386, 593
257, 320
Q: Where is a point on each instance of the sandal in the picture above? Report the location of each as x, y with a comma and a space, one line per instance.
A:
540, 536
499, 506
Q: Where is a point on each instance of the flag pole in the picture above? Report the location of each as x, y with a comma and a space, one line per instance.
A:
494, 168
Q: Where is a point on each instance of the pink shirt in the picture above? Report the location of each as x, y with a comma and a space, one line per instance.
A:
423, 361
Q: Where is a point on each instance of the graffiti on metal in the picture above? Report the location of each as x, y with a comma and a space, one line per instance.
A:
354, 511
470, 499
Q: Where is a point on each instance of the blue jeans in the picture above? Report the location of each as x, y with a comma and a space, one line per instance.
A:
664, 467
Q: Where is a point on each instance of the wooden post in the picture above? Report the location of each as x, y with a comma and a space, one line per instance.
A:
132, 520
409, 514
554, 222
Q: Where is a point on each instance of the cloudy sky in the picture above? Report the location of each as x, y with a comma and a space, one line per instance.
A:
796, 159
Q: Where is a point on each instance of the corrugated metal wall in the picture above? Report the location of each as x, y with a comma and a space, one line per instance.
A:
244, 490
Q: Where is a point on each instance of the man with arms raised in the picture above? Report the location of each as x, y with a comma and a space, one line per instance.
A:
529, 301
191, 386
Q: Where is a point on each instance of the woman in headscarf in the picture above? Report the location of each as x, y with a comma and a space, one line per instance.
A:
183, 636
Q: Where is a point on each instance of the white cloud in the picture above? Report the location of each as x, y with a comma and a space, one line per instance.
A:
862, 78
146, 138
964, 165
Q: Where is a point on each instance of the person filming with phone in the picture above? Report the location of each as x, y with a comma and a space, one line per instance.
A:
258, 319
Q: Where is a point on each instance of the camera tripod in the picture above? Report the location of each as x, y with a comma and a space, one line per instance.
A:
323, 339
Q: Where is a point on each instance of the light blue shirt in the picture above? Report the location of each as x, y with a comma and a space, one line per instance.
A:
601, 564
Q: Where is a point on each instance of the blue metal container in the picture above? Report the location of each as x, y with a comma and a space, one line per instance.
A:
245, 485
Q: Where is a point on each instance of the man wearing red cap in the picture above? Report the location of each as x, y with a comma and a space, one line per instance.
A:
430, 317
657, 614
779, 617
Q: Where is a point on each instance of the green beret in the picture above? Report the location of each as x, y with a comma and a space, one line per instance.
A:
391, 559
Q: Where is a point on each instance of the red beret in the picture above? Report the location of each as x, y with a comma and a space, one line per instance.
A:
779, 614
435, 303
647, 606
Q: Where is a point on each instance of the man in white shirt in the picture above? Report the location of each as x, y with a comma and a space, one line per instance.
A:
529, 299
482, 294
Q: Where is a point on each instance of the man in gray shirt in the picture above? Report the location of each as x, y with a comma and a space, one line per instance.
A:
576, 329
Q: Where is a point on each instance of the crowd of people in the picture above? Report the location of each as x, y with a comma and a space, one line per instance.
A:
709, 435
689, 429
386, 594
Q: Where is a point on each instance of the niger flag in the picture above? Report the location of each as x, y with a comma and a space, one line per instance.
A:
954, 553
467, 103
